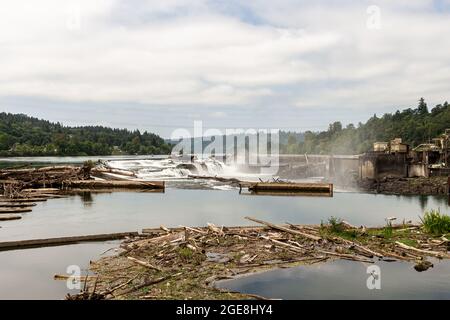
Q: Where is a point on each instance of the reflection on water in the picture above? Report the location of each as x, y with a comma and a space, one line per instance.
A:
343, 279
28, 274
132, 211
87, 198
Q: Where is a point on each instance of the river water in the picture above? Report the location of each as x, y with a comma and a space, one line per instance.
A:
29, 273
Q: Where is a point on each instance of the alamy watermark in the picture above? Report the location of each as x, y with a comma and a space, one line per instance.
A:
73, 282
250, 147
374, 279
373, 21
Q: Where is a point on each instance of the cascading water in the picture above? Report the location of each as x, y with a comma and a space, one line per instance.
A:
180, 173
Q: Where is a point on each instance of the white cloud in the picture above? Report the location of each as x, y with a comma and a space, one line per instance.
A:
307, 54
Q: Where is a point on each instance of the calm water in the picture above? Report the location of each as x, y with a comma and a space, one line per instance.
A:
29, 273
131, 211
343, 279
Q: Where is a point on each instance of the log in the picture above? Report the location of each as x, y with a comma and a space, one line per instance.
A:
131, 184
344, 256
287, 245
15, 210
143, 263
281, 228
64, 277
292, 187
114, 171
426, 252
42, 190
16, 204
220, 179
361, 247
215, 229
10, 217
35, 243
22, 200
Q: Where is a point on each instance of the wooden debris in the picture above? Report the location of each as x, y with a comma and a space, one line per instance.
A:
15, 210
63, 277
16, 204
10, 217
22, 200
143, 263
281, 228
130, 184
207, 254
292, 187
25, 244
426, 252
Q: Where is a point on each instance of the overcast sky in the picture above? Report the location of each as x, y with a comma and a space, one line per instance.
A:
160, 65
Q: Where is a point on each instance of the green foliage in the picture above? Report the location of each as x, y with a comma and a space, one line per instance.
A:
336, 225
21, 135
388, 231
185, 253
414, 126
435, 223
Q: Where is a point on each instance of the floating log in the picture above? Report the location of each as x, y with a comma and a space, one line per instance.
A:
2, 200
42, 190
131, 184
281, 228
114, 171
10, 217
15, 210
64, 277
291, 187
220, 179
427, 252
16, 204
288, 194
35, 243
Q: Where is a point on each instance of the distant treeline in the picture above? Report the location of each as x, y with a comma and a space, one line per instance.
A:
414, 125
21, 135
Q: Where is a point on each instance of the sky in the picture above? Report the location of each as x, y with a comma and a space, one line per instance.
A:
161, 65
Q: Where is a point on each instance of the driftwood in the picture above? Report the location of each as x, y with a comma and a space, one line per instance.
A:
10, 217
281, 228
131, 184
426, 252
220, 179
16, 204
23, 200
292, 187
25, 244
143, 263
287, 245
64, 277
344, 256
15, 210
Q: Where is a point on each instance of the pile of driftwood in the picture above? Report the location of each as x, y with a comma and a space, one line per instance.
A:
20, 189
187, 262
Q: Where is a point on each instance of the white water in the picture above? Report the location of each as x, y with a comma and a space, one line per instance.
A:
177, 170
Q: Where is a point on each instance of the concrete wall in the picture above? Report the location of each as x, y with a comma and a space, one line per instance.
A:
417, 170
380, 165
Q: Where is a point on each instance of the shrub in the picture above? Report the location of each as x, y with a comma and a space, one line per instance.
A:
435, 223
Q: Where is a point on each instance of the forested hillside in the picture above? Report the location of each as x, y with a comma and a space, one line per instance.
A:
414, 125
21, 135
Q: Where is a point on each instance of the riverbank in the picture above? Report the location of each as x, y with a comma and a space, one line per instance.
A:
406, 186
185, 263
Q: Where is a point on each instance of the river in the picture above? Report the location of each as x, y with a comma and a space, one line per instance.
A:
28, 274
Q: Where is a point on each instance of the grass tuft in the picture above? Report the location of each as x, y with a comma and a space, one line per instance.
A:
435, 223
